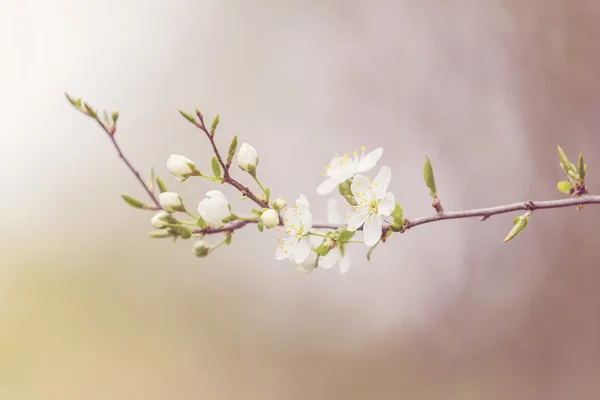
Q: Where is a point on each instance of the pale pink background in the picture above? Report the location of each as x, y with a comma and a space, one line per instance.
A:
90, 308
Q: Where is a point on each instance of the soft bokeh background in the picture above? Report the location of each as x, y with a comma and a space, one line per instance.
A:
90, 308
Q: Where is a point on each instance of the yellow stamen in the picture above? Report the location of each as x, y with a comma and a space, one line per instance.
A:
355, 153
363, 148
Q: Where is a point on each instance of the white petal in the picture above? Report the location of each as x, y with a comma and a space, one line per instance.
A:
301, 250
387, 204
304, 269
345, 264
360, 188
372, 230
381, 182
285, 248
330, 259
307, 221
369, 160
302, 201
357, 218
216, 194
334, 216
327, 186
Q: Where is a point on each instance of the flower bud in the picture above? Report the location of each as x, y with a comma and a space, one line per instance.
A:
181, 167
247, 157
214, 209
171, 202
161, 219
270, 218
279, 204
201, 248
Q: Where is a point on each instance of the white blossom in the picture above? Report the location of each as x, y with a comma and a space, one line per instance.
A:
159, 220
270, 218
335, 256
247, 157
345, 167
181, 167
372, 203
308, 265
201, 248
214, 208
297, 222
171, 202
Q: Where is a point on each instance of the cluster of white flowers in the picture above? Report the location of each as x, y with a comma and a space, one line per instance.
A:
369, 204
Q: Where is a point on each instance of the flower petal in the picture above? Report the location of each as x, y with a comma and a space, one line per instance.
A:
285, 248
357, 218
302, 201
372, 230
330, 259
307, 221
387, 204
327, 186
334, 216
381, 182
369, 160
301, 250
345, 264
216, 194
304, 269
360, 188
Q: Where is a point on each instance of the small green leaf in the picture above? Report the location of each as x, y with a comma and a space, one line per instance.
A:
90, 110
345, 235
257, 212
201, 223
228, 239
581, 167
564, 161
161, 185
71, 100
398, 224
188, 117
115, 116
106, 117
371, 251
185, 232
232, 149
564, 187
135, 203
429, 178
228, 219
322, 249
267, 194
150, 182
159, 234
345, 190
520, 223
214, 125
216, 167
260, 226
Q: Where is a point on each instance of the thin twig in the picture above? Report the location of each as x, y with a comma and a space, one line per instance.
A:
226, 177
111, 134
484, 213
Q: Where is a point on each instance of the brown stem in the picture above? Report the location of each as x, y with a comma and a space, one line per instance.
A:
226, 177
483, 213
110, 132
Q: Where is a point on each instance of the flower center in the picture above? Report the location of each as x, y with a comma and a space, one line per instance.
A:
373, 206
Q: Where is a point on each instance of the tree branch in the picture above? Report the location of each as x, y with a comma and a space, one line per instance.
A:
110, 132
226, 177
484, 213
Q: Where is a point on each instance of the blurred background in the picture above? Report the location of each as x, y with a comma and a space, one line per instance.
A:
91, 308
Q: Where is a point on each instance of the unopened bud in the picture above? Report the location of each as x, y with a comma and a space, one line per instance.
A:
270, 218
